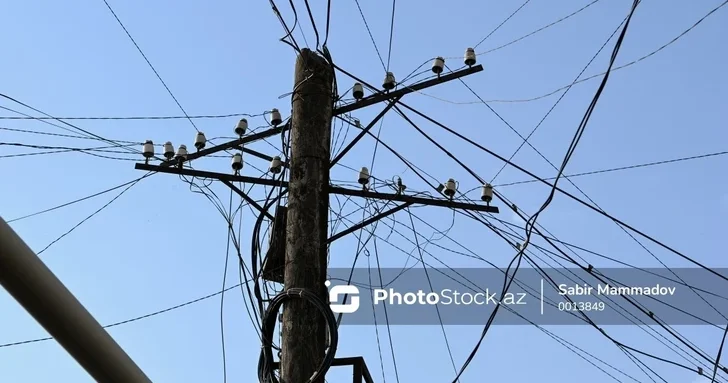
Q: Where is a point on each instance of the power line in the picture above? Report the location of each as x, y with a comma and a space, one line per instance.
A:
501, 24
150, 64
99, 210
369, 31
135, 319
75, 201
95, 136
532, 221
525, 140
537, 30
196, 117
627, 167
391, 34
616, 68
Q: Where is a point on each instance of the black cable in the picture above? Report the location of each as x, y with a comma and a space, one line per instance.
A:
717, 358
386, 314
618, 344
265, 363
370, 35
289, 31
391, 34
501, 24
145, 316
440, 262
328, 22
96, 136
94, 213
405, 252
564, 192
376, 324
313, 22
623, 65
150, 64
429, 282
74, 201
609, 170
525, 140
222, 296
540, 29
197, 117
574, 143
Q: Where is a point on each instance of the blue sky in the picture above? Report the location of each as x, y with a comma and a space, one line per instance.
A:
160, 245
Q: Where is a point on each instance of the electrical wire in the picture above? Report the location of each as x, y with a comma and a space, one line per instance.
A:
75, 201
614, 69
230, 234
104, 118
328, 21
289, 31
429, 282
536, 325
616, 169
530, 224
313, 22
537, 30
391, 34
129, 186
89, 134
476, 176
371, 37
150, 64
265, 363
717, 358
564, 192
134, 319
525, 140
501, 24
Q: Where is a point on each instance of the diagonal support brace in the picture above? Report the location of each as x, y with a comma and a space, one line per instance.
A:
248, 199
369, 221
364, 131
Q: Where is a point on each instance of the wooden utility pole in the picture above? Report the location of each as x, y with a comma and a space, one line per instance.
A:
306, 239
304, 338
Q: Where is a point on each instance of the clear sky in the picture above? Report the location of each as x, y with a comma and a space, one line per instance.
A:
160, 245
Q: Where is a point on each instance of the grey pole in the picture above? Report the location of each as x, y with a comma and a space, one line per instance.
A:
44, 297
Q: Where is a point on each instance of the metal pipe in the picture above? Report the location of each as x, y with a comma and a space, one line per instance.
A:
44, 297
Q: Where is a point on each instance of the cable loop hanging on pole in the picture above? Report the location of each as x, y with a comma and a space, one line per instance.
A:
265, 363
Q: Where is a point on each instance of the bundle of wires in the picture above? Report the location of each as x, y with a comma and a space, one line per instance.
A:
265, 363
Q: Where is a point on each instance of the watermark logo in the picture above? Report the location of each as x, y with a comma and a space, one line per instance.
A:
340, 290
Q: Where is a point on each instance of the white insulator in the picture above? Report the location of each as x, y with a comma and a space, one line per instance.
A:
182, 152
438, 65
275, 165
241, 127
518, 246
168, 150
450, 188
275, 117
200, 141
148, 149
358, 91
364, 176
237, 162
470, 58
389, 81
487, 193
